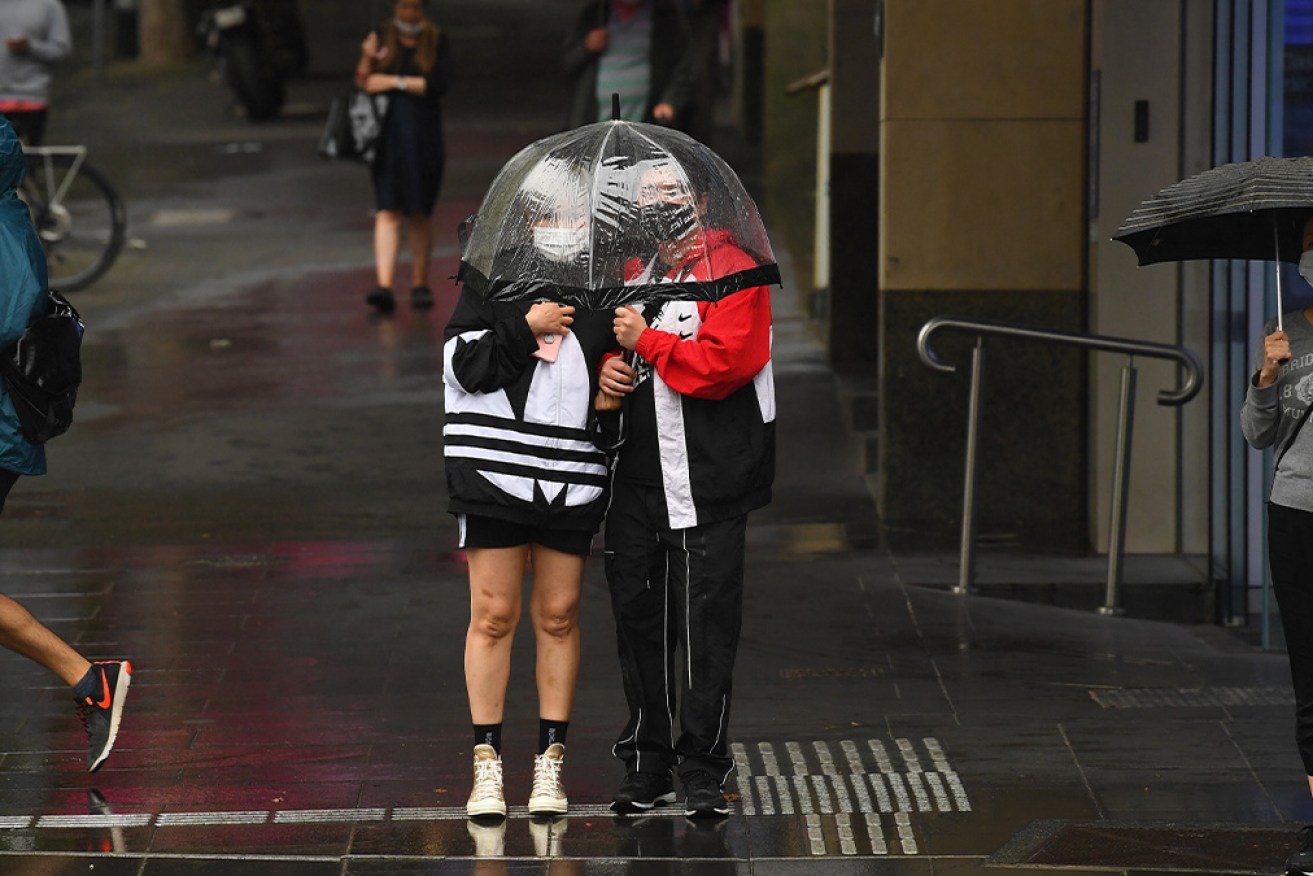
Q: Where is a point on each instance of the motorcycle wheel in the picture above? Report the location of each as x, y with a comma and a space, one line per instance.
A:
260, 93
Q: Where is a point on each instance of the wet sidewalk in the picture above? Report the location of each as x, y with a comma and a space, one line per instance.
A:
251, 507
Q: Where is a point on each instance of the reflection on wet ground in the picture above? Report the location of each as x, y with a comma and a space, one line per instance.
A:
252, 507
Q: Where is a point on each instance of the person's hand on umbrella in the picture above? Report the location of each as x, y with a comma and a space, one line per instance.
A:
549, 318
1276, 351
628, 325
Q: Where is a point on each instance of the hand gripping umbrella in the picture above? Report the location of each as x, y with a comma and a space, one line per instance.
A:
581, 217
1249, 210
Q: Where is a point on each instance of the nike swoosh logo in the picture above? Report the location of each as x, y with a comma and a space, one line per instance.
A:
104, 682
684, 317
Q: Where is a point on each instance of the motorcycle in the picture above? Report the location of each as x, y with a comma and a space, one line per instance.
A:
258, 46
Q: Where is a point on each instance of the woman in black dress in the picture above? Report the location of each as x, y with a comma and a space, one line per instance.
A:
411, 62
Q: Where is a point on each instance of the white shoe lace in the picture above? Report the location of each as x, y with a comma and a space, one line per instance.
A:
487, 781
547, 777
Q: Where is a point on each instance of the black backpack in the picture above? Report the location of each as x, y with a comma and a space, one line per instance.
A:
43, 369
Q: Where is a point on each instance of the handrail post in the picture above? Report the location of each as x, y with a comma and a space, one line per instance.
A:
966, 573
1121, 477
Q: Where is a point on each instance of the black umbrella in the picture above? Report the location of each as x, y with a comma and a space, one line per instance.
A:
569, 219
1249, 210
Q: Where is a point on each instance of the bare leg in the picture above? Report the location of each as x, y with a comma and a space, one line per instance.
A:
21, 632
387, 243
554, 607
421, 242
496, 582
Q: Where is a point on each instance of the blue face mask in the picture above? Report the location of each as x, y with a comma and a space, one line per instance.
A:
1306, 267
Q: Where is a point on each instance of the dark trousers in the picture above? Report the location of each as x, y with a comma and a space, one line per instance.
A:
674, 590
1290, 557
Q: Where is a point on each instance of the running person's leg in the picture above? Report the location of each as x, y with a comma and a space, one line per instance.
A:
22, 633
98, 688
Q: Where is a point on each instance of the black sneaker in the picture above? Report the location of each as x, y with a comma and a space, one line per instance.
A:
381, 299
99, 696
421, 298
639, 792
703, 797
1300, 863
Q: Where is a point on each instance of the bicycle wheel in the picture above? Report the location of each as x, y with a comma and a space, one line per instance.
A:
78, 216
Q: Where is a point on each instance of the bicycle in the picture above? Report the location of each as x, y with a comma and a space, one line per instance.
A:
79, 216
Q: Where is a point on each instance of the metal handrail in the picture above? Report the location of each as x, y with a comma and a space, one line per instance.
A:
1102, 343
1122, 467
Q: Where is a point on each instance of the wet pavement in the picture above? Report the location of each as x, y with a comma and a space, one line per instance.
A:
251, 507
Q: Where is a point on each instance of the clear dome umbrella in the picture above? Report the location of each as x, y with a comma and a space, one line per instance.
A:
615, 213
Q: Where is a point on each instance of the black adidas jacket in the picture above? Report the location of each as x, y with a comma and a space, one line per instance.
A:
519, 434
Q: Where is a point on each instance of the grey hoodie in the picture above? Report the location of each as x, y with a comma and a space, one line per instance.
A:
1270, 414
45, 24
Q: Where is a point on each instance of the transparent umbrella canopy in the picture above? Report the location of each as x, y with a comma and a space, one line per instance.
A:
581, 216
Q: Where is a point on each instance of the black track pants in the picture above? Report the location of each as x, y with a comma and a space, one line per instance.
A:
1290, 557
674, 591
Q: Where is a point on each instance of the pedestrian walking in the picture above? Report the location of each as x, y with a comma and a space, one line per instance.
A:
1275, 412
36, 36
527, 480
634, 49
699, 455
99, 688
411, 62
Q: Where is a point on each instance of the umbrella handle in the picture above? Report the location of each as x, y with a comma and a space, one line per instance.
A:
605, 402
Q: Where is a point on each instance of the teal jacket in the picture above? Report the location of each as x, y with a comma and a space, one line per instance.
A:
23, 282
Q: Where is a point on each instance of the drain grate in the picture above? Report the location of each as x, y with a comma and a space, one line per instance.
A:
1192, 698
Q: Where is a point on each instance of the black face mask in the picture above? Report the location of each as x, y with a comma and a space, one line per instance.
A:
664, 220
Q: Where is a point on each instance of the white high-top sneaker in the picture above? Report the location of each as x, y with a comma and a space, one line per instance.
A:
486, 797
548, 794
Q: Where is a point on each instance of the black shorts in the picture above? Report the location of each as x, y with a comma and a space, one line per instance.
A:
477, 531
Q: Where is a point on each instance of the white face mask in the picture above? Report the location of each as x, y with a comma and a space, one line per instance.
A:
561, 244
1306, 267
407, 28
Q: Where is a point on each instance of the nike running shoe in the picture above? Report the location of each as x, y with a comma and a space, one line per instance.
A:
486, 797
99, 696
639, 792
703, 796
548, 795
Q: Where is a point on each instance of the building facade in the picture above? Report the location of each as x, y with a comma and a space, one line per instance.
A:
975, 159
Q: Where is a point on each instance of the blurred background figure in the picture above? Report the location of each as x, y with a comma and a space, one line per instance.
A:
410, 59
704, 64
36, 36
632, 48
